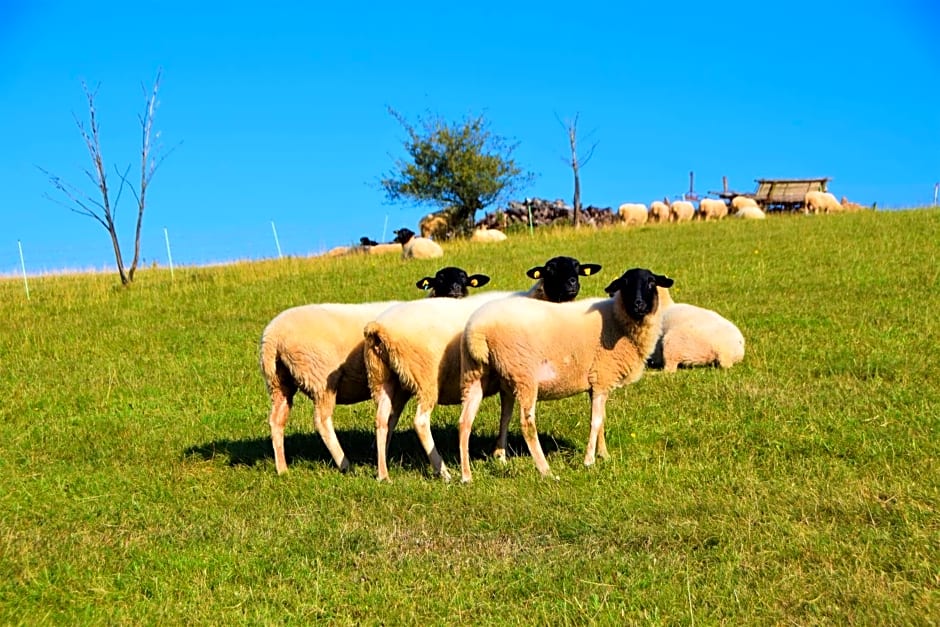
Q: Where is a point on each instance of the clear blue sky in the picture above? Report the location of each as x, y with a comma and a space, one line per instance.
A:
281, 108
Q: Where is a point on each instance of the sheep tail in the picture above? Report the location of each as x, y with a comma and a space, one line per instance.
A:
269, 357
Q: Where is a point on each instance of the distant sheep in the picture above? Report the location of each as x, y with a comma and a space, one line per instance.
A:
486, 235
633, 213
414, 350
815, 202
417, 247
659, 211
681, 211
553, 351
740, 202
434, 225
317, 349
750, 213
694, 336
365, 241
384, 249
851, 206
712, 209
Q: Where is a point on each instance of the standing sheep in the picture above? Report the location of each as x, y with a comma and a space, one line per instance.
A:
417, 247
709, 208
659, 211
681, 211
551, 351
815, 201
694, 336
414, 350
740, 202
633, 213
317, 349
434, 225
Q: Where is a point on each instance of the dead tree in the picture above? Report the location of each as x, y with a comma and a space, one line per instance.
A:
571, 126
103, 210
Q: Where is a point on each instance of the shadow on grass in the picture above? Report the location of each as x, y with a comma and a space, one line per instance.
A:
359, 446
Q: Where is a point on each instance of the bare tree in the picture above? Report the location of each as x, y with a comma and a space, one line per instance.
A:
104, 210
571, 126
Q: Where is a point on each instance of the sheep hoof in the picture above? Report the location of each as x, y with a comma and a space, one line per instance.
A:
445, 474
500, 455
381, 479
344, 465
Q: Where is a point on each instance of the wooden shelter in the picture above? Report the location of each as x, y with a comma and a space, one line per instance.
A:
781, 194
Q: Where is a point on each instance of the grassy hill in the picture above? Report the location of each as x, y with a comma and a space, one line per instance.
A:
801, 486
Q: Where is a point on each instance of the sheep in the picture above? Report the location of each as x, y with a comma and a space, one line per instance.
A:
750, 213
816, 201
850, 206
434, 224
383, 249
681, 211
317, 349
709, 208
484, 234
414, 350
551, 351
740, 202
365, 241
694, 336
659, 211
633, 213
417, 247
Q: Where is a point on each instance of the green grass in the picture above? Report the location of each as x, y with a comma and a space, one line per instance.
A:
802, 486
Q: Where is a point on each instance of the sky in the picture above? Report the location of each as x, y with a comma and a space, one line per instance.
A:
275, 115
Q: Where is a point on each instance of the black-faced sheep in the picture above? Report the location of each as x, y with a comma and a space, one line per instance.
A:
537, 350
414, 350
694, 336
318, 349
413, 247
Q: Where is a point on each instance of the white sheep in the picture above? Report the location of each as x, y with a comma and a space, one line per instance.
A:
740, 202
659, 211
750, 213
816, 201
486, 235
384, 249
417, 247
712, 208
694, 336
317, 349
414, 350
681, 211
633, 213
551, 351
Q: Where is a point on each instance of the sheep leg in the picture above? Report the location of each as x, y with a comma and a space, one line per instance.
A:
596, 441
423, 429
506, 401
472, 396
529, 432
383, 427
281, 403
323, 420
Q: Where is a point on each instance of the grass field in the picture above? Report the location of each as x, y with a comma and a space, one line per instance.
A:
801, 486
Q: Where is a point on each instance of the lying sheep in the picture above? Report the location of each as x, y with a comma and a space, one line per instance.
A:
659, 211
632, 213
384, 249
414, 350
750, 213
694, 336
365, 241
551, 351
681, 211
712, 208
740, 202
815, 201
317, 349
486, 235
417, 247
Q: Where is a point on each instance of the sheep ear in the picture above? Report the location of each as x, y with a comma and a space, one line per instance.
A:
479, 280
587, 269
535, 273
663, 281
424, 283
613, 287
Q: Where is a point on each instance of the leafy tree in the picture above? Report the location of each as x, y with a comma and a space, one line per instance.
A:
460, 168
103, 208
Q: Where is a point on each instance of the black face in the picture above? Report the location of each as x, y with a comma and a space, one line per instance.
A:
560, 277
365, 241
637, 288
451, 282
403, 235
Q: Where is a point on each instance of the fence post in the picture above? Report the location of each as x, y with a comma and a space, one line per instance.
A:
277, 242
23, 266
169, 255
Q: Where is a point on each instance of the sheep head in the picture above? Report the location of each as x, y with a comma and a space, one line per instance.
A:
451, 282
559, 277
637, 288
